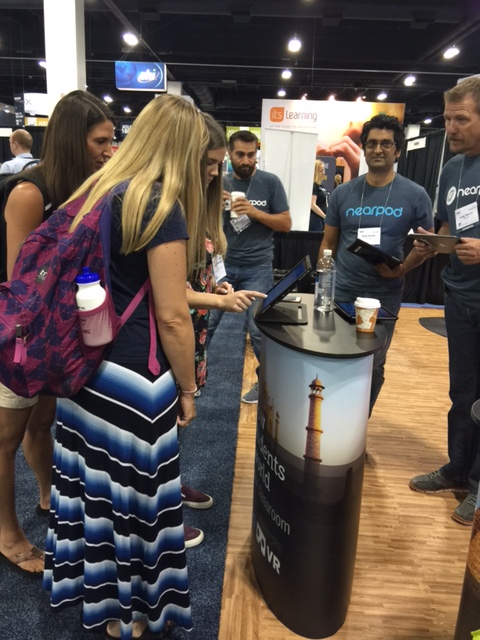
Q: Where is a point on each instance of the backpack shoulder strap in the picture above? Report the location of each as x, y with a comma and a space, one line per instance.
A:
36, 178
31, 163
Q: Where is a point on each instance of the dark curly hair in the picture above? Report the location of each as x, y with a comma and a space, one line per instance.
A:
382, 121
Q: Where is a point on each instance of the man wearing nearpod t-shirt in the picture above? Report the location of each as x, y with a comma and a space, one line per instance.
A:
380, 208
249, 227
458, 209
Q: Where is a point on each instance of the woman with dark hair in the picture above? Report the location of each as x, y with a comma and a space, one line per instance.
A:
76, 144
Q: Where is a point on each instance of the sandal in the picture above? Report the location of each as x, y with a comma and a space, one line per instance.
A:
41, 512
146, 633
14, 561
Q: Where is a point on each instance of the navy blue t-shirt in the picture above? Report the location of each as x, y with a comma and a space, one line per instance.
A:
128, 273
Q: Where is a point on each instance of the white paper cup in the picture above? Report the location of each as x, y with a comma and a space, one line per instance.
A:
366, 312
234, 196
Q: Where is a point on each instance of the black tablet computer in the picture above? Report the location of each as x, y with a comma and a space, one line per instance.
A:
347, 311
289, 313
373, 255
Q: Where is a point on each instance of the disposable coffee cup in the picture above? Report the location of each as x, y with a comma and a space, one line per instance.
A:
234, 196
366, 312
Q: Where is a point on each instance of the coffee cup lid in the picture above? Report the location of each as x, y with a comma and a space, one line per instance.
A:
368, 303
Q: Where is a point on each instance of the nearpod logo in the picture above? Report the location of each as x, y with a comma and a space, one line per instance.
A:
452, 192
467, 191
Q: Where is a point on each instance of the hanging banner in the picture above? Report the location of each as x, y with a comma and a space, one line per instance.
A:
19, 105
337, 124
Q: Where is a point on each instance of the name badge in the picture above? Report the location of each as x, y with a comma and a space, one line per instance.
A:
370, 235
219, 271
467, 216
240, 223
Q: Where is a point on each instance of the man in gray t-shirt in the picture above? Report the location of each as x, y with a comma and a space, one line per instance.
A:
249, 227
458, 210
379, 207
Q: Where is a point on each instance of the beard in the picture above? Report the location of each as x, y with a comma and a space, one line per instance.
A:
244, 172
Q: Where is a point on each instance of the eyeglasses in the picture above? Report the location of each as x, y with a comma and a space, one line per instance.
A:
385, 144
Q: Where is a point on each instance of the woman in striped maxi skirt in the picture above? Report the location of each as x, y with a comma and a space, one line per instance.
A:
115, 542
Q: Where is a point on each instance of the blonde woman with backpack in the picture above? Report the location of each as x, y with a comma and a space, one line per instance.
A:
116, 541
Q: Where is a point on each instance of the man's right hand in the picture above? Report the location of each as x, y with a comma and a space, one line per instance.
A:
423, 248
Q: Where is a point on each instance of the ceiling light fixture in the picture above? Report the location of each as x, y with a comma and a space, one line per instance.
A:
332, 98
42, 63
107, 99
427, 121
409, 80
286, 74
294, 45
281, 93
451, 52
127, 109
130, 38
382, 96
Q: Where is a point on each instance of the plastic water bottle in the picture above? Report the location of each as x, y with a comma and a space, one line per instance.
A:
325, 282
90, 294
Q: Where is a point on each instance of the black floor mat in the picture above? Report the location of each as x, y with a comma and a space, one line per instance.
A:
437, 325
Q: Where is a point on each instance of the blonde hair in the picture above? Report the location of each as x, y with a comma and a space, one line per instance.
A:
167, 143
318, 170
467, 88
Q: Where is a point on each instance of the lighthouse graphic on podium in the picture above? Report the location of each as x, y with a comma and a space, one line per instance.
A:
314, 430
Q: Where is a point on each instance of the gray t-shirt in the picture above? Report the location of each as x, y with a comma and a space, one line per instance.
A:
460, 185
254, 245
395, 208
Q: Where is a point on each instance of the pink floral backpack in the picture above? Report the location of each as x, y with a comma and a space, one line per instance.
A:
41, 346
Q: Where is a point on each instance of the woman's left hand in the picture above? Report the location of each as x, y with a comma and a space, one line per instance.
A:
186, 409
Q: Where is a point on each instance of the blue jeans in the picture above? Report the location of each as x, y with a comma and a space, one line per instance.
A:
257, 278
463, 330
392, 302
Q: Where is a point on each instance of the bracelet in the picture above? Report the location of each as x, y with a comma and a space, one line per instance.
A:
189, 392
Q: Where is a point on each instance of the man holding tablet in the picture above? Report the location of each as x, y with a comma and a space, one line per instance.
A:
458, 198
378, 208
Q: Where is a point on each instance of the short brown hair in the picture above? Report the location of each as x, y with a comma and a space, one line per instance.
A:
468, 88
22, 138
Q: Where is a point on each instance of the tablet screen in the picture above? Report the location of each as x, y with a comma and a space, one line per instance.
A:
347, 310
286, 284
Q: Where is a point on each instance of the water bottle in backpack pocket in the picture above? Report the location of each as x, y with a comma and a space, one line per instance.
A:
94, 310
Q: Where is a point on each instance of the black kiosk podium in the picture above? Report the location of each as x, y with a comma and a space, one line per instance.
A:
314, 390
